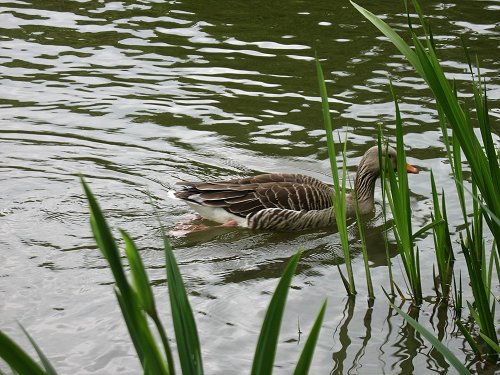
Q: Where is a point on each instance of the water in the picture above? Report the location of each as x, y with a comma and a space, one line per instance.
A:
136, 95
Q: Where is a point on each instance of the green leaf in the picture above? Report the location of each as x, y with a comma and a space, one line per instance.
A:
105, 241
339, 196
128, 299
144, 293
484, 165
45, 362
308, 351
490, 342
140, 278
426, 228
268, 339
17, 358
468, 337
186, 334
452, 359
392, 35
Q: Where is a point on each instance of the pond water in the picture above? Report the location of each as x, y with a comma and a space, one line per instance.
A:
136, 95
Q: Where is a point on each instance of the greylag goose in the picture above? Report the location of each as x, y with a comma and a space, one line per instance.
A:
281, 201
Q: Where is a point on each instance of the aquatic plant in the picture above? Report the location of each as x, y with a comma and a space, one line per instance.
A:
398, 196
137, 303
339, 185
483, 159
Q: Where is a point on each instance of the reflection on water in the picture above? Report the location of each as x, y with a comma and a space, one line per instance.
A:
136, 95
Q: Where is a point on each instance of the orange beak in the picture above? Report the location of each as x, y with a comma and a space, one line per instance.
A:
411, 169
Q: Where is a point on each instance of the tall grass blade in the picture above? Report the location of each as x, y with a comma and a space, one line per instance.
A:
384, 209
144, 293
442, 242
339, 198
490, 342
482, 314
426, 227
361, 231
265, 351
17, 358
484, 170
129, 302
458, 295
105, 241
307, 353
186, 334
139, 276
391, 34
450, 357
399, 201
45, 362
468, 337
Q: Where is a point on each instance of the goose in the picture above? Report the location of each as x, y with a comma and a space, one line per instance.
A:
283, 201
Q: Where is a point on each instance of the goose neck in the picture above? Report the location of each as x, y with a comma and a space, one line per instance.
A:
365, 183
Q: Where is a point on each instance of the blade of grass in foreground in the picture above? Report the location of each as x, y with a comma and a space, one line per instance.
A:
130, 304
384, 209
339, 198
45, 362
452, 359
268, 340
17, 358
144, 293
490, 342
308, 351
442, 242
186, 334
361, 231
398, 196
484, 165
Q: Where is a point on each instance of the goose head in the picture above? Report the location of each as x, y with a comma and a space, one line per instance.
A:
369, 171
370, 161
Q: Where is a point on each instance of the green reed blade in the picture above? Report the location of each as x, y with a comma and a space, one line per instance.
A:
361, 231
128, 300
426, 227
105, 240
427, 65
391, 34
459, 178
443, 349
399, 201
265, 351
458, 294
490, 342
186, 334
328, 126
139, 277
442, 241
482, 314
341, 205
384, 210
479, 202
306, 356
343, 278
339, 198
468, 337
132, 326
17, 358
141, 335
49, 369
144, 294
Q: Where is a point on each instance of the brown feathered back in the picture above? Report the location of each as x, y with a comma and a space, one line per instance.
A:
249, 195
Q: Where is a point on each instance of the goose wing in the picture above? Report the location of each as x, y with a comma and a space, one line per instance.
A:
249, 195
